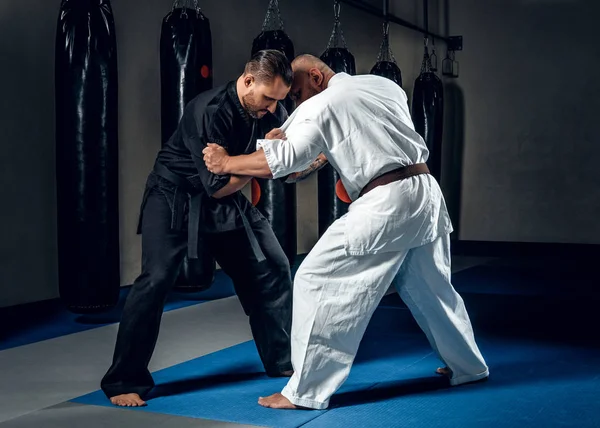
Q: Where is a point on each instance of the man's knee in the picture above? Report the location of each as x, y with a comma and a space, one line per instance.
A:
155, 281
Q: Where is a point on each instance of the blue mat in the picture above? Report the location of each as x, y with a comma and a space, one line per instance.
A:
226, 385
533, 384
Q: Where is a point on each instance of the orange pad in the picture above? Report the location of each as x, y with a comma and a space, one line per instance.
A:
341, 193
255, 191
205, 71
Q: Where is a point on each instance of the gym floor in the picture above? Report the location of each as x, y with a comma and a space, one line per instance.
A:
533, 320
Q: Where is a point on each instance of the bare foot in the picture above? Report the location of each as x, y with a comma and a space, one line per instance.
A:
444, 371
277, 401
127, 400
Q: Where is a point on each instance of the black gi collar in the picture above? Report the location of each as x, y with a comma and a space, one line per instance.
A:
233, 94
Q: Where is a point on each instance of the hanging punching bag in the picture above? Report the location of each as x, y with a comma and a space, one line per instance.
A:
428, 113
339, 59
337, 56
275, 199
273, 36
386, 63
86, 85
186, 71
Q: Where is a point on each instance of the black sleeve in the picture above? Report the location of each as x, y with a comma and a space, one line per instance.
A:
211, 127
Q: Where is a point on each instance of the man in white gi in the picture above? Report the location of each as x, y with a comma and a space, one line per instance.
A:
397, 225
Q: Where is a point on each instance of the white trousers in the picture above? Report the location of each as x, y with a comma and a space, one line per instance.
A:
335, 296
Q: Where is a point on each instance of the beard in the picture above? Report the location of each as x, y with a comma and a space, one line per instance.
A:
251, 107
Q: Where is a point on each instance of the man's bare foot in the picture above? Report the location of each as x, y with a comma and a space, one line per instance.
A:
277, 401
127, 400
444, 371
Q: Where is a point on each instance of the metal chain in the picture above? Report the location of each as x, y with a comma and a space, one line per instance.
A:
337, 38
385, 51
183, 5
273, 9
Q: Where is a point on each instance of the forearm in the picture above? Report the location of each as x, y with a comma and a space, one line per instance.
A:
235, 183
318, 163
253, 165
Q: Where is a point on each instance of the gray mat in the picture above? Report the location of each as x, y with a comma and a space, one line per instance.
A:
73, 415
47, 373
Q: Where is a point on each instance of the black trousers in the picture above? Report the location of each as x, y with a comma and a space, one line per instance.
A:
264, 290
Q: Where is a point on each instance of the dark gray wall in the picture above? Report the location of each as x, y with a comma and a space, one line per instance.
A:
530, 93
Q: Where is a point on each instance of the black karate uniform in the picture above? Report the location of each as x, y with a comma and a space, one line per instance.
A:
178, 214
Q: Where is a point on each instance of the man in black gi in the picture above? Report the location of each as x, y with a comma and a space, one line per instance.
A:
184, 205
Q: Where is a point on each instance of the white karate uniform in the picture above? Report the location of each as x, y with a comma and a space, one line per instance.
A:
363, 126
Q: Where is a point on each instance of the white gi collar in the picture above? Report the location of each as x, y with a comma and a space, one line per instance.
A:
338, 77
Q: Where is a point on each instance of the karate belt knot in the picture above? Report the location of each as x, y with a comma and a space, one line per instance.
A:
192, 189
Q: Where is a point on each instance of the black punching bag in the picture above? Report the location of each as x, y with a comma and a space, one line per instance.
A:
337, 56
86, 85
275, 199
428, 112
273, 36
339, 59
186, 71
386, 63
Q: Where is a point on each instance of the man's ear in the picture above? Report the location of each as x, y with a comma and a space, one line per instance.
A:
316, 76
248, 80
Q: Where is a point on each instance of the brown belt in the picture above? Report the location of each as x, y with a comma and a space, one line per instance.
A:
395, 175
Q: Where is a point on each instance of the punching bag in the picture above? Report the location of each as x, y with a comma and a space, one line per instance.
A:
337, 56
275, 199
273, 36
428, 113
339, 59
86, 97
386, 63
186, 71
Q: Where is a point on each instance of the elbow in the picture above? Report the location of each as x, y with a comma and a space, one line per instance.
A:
219, 194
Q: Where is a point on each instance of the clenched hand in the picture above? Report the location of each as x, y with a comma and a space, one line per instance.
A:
215, 158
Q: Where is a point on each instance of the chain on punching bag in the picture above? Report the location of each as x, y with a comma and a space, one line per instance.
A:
86, 85
186, 71
273, 36
386, 63
340, 59
275, 199
428, 111
337, 56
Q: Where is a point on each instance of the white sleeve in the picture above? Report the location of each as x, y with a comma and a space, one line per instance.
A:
304, 143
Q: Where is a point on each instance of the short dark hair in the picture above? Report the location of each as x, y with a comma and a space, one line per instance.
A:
267, 64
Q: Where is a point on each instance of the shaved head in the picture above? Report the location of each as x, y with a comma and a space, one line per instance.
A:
311, 76
306, 61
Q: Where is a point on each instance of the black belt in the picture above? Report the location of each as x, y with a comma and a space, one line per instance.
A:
194, 213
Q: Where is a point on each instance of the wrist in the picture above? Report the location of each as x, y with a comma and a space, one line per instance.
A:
226, 165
